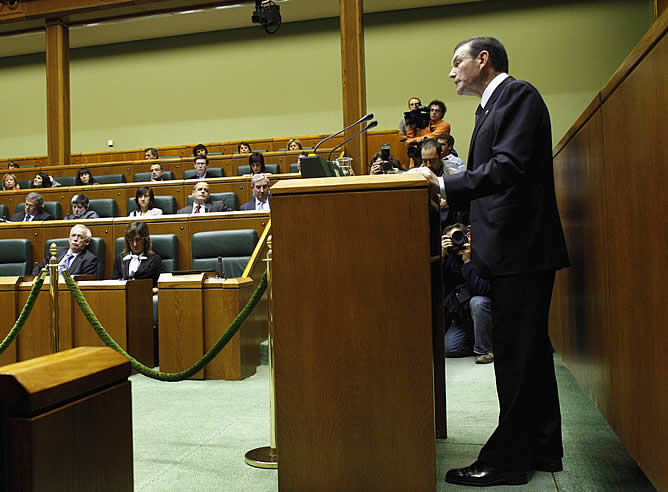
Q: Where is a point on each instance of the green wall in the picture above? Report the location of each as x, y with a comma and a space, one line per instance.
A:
244, 84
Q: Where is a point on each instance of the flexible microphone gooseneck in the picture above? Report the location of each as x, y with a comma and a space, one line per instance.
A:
371, 125
366, 117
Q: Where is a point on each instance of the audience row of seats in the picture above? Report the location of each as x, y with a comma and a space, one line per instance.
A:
107, 207
235, 247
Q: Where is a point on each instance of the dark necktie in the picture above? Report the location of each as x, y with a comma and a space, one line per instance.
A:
478, 114
66, 263
27, 218
197, 208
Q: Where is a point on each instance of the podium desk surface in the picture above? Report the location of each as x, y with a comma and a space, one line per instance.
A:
349, 183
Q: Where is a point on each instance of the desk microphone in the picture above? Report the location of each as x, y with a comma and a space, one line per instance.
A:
366, 117
371, 125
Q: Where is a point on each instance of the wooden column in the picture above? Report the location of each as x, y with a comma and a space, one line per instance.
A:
354, 80
58, 92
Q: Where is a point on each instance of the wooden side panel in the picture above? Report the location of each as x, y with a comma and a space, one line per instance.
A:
9, 307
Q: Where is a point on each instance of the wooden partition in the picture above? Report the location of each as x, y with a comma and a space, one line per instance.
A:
67, 422
608, 318
353, 362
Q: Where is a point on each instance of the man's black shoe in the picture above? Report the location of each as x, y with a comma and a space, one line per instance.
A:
548, 465
481, 475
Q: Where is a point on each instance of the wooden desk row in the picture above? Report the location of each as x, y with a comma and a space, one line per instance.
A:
183, 226
179, 189
375, 140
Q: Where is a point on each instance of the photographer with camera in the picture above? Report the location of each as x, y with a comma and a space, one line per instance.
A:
467, 303
422, 129
413, 103
383, 163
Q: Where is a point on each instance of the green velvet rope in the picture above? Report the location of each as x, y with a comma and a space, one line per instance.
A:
25, 312
159, 375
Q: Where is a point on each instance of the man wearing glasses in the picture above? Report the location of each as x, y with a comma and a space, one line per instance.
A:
33, 210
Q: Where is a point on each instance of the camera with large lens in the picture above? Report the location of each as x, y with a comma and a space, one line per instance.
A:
418, 117
459, 241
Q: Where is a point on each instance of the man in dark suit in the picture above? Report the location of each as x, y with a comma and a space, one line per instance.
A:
201, 164
509, 187
202, 203
260, 201
33, 210
76, 259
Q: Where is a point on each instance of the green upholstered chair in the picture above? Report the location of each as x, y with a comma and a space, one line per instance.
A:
212, 172
54, 208
144, 177
110, 178
294, 168
105, 207
96, 247
15, 257
4, 211
166, 203
271, 168
25, 184
66, 180
228, 198
235, 247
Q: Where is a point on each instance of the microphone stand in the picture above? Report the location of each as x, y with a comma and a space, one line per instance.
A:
373, 124
366, 117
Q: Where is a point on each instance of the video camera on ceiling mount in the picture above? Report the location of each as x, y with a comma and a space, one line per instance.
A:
268, 14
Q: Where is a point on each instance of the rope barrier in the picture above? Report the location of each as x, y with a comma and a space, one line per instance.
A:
25, 312
152, 373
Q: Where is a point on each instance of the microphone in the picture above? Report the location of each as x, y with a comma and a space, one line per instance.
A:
371, 125
366, 117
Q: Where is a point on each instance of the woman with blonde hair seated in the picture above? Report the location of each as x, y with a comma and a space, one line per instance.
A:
295, 144
9, 182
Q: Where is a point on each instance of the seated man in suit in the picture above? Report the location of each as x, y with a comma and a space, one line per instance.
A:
201, 164
202, 203
260, 201
76, 259
157, 172
33, 210
150, 153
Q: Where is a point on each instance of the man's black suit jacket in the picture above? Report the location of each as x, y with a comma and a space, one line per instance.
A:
83, 264
41, 215
250, 205
148, 268
509, 183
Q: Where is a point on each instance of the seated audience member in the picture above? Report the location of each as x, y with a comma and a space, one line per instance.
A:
435, 128
76, 259
137, 261
256, 161
13, 165
33, 211
431, 152
41, 180
157, 172
376, 165
450, 161
202, 203
468, 307
84, 177
201, 164
145, 201
244, 148
150, 153
9, 182
261, 199
80, 210
413, 103
200, 150
295, 144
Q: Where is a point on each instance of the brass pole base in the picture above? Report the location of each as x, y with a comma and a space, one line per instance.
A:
264, 457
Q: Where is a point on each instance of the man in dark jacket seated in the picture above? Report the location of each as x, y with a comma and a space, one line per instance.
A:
76, 259
260, 201
33, 210
467, 303
202, 203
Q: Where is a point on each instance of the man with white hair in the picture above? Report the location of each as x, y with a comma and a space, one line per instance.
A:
76, 259
260, 201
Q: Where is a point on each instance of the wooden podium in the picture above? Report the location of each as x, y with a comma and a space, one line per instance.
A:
352, 297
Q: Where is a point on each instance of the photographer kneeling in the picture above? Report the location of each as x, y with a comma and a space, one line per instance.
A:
468, 307
383, 163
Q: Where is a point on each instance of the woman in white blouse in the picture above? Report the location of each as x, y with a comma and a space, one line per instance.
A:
145, 200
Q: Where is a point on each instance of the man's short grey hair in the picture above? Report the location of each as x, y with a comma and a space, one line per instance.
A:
87, 234
33, 196
258, 177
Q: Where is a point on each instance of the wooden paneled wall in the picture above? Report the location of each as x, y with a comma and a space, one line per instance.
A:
375, 140
608, 319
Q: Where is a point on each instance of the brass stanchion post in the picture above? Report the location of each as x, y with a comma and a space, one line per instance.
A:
53, 289
267, 456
